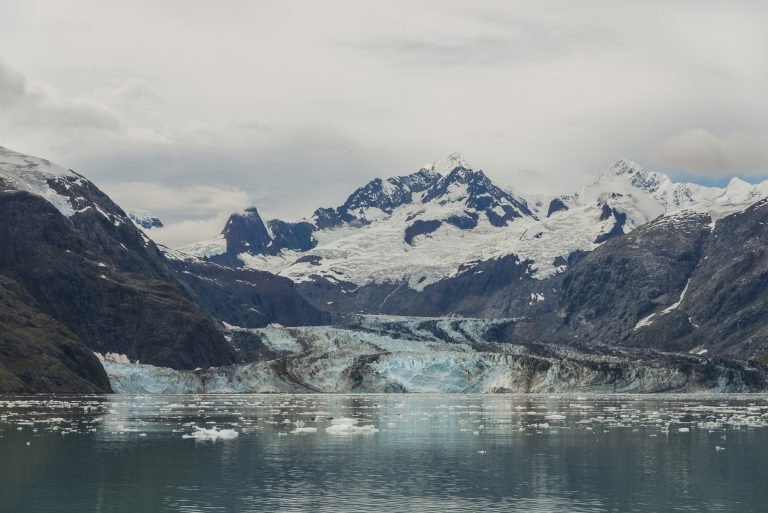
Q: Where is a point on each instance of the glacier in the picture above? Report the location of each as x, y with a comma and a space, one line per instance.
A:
388, 354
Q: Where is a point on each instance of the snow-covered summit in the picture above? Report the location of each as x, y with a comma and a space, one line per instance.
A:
69, 192
37, 176
419, 228
648, 194
443, 219
447, 164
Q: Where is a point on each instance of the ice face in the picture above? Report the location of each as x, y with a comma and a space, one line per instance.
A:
396, 354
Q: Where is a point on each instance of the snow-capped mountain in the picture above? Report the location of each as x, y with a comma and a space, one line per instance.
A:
644, 195
77, 276
66, 190
448, 216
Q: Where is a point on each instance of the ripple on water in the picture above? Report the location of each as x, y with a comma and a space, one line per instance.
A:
383, 453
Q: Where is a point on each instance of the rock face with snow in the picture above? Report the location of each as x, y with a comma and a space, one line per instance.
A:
247, 297
436, 356
682, 283
612, 289
246, 233
75, 257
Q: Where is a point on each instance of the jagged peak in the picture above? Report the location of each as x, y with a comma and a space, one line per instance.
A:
246, 213
624, 166
447, 164
251, 211
635, 175
465, 174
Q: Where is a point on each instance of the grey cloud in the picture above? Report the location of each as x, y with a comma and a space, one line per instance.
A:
519, 42
12, 85
281, 180
188, 213
37, 106
196, 201
701, 152
179, 233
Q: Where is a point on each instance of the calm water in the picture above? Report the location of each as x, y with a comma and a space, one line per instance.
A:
430, 453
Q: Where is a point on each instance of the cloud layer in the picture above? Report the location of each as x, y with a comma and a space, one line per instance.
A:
702, 152
291, 105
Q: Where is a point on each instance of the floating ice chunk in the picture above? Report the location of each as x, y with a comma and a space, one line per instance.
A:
300, 430
683, 430
212, 434
345, 426
555, 416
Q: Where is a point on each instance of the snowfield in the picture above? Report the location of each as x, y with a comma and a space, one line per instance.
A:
374, 249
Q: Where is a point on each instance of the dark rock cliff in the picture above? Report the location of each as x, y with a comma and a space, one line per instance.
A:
96, 275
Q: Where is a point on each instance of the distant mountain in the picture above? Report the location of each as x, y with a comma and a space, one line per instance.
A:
414, 231
418, 228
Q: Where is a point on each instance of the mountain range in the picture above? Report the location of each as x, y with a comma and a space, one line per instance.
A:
633, 261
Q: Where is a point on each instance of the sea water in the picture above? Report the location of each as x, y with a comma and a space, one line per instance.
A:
360, 453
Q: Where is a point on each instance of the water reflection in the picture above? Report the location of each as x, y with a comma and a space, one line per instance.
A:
430, 453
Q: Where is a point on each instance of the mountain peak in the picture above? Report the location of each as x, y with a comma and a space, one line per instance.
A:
624, 167
42, 178
738, 183
635, 175
447, 164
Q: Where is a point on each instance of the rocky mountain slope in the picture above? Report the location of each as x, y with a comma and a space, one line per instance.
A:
84, 263
78, 276
684, 282
245, 297
40, 354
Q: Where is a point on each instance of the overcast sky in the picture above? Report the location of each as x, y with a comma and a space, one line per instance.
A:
191, 109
